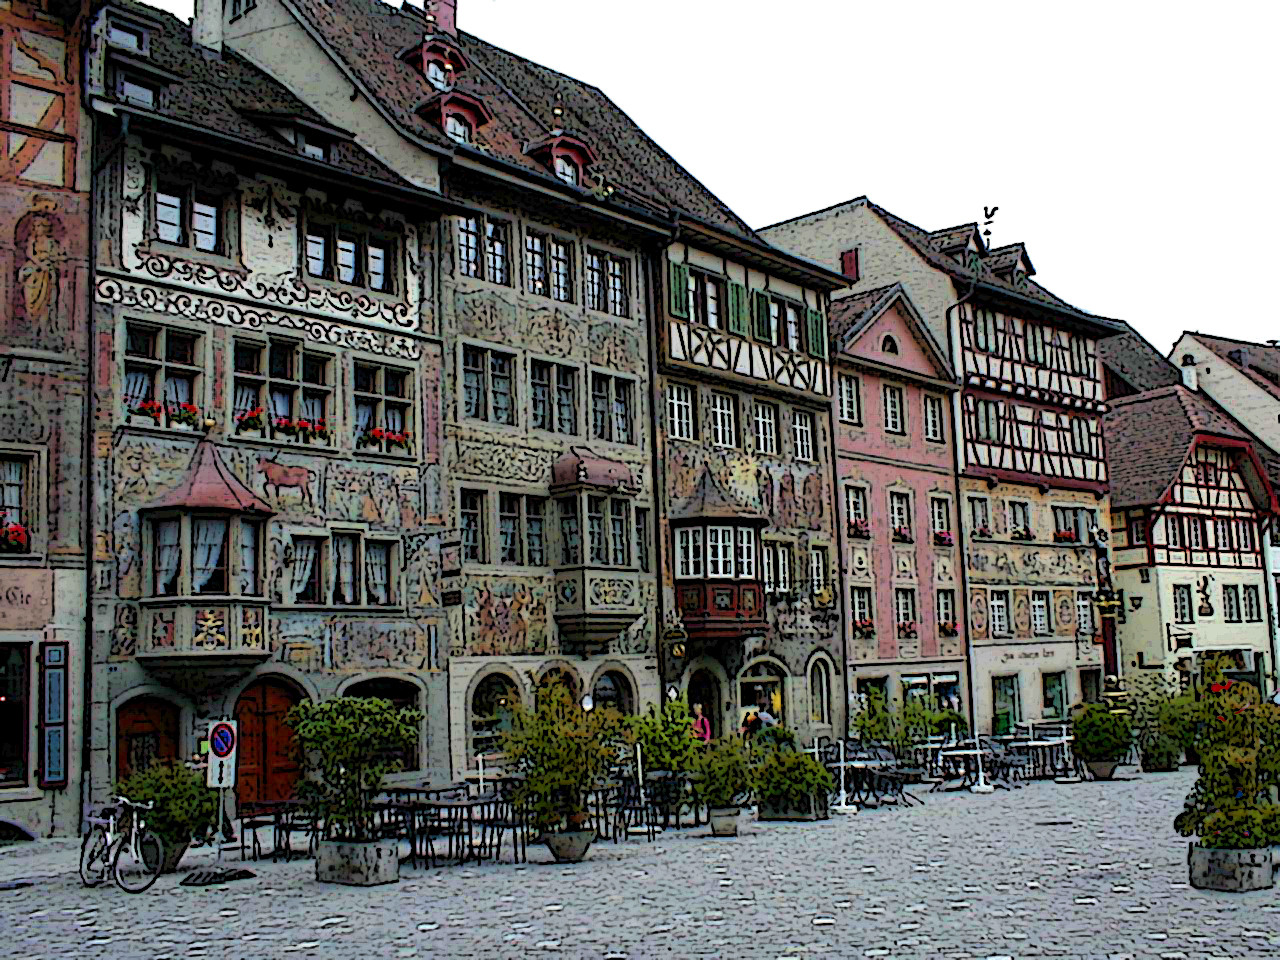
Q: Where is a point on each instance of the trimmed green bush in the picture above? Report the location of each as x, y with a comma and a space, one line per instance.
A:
788, 780
1161, 754
1099, 734
184, 807
726, 772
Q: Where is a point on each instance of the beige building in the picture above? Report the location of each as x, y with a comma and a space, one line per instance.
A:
1032, 476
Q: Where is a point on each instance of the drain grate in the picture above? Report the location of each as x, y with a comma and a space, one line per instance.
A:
205, 878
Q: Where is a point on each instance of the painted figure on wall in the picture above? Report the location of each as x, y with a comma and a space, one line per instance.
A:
38, 236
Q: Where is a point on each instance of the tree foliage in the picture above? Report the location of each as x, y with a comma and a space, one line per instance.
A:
184, 805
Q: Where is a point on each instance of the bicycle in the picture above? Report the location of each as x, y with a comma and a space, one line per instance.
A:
133, 854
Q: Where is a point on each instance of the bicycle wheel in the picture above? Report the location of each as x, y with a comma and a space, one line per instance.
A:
94, 861
136, 872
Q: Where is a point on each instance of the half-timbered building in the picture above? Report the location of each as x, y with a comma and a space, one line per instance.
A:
1191, 503
902, 578
44, 368
266, 420
1032, 473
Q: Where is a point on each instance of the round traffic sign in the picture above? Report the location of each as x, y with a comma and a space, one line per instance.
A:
222, 740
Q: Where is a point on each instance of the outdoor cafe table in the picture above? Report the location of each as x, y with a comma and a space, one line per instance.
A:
1048, 757
864, 780
956, 756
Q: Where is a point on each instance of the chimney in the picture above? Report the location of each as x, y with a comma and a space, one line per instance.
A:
1190, 378
446, 15
206, 26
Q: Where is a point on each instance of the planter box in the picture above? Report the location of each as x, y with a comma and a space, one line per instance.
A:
358, 864
724, 821
138, 420
570, 847
1102, 769
251, 433
1232, 870
815, 809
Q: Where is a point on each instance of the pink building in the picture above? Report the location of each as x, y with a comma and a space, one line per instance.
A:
896, 479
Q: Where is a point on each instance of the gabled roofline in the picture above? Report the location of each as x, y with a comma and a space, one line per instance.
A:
765, 255
898, 294
855, 202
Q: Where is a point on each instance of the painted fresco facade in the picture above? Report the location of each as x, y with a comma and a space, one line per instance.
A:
749, 520
1032, 477
44, 236
896, 489
260, 328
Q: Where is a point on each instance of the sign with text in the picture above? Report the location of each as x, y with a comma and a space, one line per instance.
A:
26, 599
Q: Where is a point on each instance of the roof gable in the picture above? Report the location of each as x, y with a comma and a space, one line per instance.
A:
1260, 362
860, 324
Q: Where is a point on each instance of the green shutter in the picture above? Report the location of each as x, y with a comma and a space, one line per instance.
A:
738, 322
678, 290
760, 310
817, 334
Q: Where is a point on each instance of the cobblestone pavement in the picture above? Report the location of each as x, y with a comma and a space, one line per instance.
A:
1086, 870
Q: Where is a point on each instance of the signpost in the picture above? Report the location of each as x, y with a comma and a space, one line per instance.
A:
223, 741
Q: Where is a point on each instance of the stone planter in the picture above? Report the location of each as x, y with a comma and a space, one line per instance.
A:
172, 855
1102, 769
724, 821
358, 864
1235, 871
815, 809
571, 846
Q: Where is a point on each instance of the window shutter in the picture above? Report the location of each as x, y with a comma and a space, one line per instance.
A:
817, 334
53, 715
678, 290
760, 310
849, 264
738, 322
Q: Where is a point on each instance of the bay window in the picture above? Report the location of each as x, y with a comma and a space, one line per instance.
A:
197, 554
720, 549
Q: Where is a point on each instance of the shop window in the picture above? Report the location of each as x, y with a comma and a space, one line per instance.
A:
612, 691
493, 704
1006, 705
820, 693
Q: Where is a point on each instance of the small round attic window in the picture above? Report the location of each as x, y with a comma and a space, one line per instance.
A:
889, 345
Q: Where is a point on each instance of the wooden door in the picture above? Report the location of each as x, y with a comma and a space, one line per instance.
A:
146, 731
267, 767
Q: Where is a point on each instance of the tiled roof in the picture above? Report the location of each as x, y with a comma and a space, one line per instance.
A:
949, 238
848, 314
369, 35
1260, 362
1135, 361
1004, 259
221, 95
1148, 437
209, 485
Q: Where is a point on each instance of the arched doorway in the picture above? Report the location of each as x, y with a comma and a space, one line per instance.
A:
268, 766
704, 688
763, 681
146, 731
612, 690
495, 697
403, 696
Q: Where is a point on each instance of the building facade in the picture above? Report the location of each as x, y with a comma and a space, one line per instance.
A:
1032, 475
44, 370
895, 478
1190, 501
266, 413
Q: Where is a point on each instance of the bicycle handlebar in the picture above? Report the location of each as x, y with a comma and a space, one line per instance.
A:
126, 802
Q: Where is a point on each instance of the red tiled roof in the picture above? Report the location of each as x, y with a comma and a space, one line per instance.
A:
1148, 438
209, 485
581, 466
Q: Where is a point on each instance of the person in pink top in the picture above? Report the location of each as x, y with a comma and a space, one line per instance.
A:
701, 724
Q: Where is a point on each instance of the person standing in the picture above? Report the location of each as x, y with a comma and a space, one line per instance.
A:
701, 725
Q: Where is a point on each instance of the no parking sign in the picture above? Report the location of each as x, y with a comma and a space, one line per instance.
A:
223, 741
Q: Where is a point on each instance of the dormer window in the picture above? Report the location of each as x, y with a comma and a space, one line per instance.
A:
567, 171
309, 145
127, 37
436, 75
457, 128
136, 91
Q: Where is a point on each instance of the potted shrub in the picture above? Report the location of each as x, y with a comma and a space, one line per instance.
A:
725, 777
983, 532
1150, 694
902, 535
348, 745
943, 538
1101, 738
249, 422
184, 807
184, 416
859, 529
14, 538
146, 414
1021, 533
561, 750
948, 628
790, 785
1230, 808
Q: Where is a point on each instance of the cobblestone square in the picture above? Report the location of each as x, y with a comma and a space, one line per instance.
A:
1086, 870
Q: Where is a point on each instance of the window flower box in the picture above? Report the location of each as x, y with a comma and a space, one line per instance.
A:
308, 430
1065, 536
859, 529
1021, 533
389, 439
864, 629
982, 533
250, 422
906, 629
183, 416
943, 538
902, 535
146, 414
14, 538
283, 426
948, 628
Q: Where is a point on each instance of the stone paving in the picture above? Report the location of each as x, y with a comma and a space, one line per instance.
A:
1086, 870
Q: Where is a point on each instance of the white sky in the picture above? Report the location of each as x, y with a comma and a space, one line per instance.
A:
1129, 145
